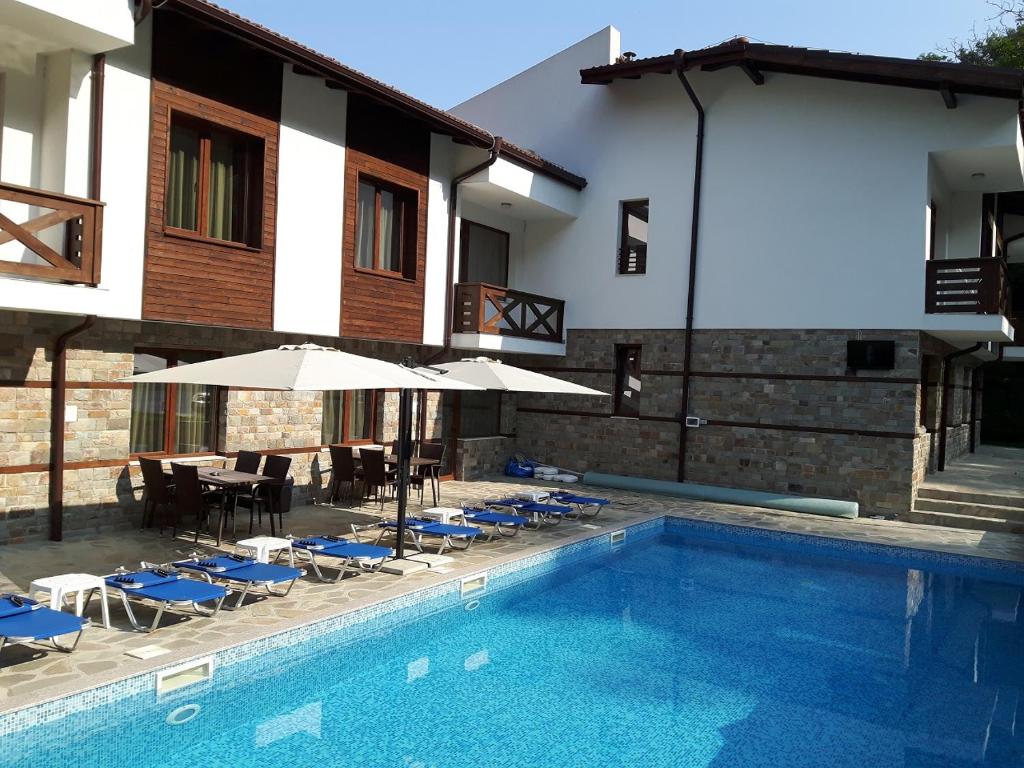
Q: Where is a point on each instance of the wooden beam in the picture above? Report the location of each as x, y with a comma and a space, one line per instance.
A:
298, 69
32, 242
755, 75
948, 96
40, 223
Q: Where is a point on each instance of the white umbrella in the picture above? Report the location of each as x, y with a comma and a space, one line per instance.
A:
302, 367
493, 374
309, 367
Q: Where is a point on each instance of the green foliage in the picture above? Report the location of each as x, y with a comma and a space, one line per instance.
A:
999, 47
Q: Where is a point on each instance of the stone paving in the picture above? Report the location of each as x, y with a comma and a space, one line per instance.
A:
992, 470
29, 674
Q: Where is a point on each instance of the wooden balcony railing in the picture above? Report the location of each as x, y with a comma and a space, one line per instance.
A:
62, 232
968, 286
483, 308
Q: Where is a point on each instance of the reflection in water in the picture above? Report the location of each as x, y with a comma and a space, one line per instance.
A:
304, 721
414, 670
474, 661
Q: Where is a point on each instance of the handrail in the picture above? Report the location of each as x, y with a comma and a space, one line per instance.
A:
494, 309
77, 258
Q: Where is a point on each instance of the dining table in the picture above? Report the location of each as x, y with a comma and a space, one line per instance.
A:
231, 481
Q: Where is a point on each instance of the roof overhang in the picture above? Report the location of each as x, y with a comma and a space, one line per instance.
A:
756, 58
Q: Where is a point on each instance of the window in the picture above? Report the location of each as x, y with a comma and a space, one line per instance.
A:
484, 255
386, 228
627, 380
348, 416
633, 238
214, 182
172, 418
479, 414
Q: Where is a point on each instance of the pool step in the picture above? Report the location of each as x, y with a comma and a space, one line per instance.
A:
969, 522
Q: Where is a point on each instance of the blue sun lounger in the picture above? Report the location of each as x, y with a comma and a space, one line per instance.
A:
418, 528
237, 569
23, 620
589, 506
364, 557
167, 589
539, 512
502, 523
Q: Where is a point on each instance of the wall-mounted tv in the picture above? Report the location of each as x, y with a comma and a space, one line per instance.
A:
870, 355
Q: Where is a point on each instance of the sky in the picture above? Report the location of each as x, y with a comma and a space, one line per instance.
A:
445, 52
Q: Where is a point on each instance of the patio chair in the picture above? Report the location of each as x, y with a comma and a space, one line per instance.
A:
502, 523
343, 471
190, 499
376, 475
166, 589
157, 493
588, 506
539, 513
421, 475
269, 494
351, 554
238, 569
449, 536
23, 620
248, 461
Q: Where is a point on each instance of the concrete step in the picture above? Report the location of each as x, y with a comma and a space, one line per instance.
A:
995, 511
970, 497
970, 522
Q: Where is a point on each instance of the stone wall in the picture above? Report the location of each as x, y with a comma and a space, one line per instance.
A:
102, 488
783, 411
480, 457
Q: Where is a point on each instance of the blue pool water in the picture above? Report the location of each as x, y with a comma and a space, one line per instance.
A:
677, 650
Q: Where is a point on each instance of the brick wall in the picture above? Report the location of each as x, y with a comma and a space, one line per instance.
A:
480, 457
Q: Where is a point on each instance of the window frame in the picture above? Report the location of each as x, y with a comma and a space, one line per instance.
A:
408, 203
621, 351
170, 413
621, 262
464, 238
346, 406
254, 180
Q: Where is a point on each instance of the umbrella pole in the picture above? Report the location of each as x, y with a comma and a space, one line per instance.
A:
404, 451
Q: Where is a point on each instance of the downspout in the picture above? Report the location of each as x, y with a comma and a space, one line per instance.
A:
944, 413
453, 198
58, 386
99, 67
698, 168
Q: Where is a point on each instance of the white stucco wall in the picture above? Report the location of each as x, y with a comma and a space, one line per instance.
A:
126, 112
442, 158
310, 207
815, 195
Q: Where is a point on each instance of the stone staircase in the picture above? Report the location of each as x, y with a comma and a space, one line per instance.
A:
971, 509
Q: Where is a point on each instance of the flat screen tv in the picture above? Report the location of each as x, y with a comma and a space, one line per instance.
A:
873, 355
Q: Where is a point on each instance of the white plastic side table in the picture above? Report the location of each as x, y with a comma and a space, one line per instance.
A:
77, 584
262, 547
445, 515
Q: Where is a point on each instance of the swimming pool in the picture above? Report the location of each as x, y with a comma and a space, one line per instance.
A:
697, 645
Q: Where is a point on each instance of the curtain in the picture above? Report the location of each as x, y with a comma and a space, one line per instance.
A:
390, 236
360, 417
183, 179
364, 226
147, 421
487, 255
332, 432
194, 418
222, 183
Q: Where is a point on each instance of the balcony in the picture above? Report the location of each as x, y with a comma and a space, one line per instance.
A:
489, 317
967, 286
49, 236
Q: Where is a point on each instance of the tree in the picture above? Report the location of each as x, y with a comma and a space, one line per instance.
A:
1001, 46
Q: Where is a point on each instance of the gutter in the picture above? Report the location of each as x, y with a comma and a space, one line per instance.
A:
943, 414
99, 67
453, 198
58, 383
698, 168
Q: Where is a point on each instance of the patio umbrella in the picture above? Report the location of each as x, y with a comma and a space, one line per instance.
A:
494, 374
312, 368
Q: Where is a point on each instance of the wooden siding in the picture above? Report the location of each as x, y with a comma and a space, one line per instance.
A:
201, 280
381, 305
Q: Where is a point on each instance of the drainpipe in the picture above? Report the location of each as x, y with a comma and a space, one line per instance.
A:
698, 168
58, 384
944, 413
99, 67
453, 198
